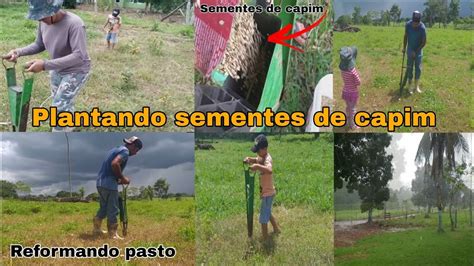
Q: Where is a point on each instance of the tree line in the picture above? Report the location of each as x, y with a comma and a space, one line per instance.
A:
442, 12
21, 190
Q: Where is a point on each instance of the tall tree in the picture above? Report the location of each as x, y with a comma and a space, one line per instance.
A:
82, 192
436, 148
7, 189
356, 16
22, 188
436, 11
395, 13
424, 189
161, 188
149, 192
361, 160
453, 12
385, 17
456, 185
343, 21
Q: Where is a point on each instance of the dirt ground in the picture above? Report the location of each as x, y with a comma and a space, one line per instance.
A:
347, 236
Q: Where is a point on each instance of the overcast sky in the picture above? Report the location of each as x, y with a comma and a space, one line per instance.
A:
403, 148
346, 7
40, 160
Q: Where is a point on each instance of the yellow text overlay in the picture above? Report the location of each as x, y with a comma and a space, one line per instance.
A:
268, 118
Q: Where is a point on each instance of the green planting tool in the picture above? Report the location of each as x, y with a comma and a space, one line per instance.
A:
123, 210
18, 97
249, 195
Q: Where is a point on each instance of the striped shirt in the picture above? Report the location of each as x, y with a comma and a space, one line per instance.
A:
351, 80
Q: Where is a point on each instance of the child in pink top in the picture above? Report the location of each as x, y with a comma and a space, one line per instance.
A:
350, 76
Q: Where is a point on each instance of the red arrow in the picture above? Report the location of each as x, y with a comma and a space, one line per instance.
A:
280, 36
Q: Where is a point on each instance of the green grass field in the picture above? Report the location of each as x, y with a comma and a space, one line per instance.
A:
151, 65
414, 242
446, 79
151, 223
303, 206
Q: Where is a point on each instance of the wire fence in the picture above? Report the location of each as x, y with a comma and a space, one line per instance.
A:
350, 214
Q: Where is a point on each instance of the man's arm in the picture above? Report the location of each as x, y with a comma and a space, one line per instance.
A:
106, 23
77, 40
117, 170
423, 43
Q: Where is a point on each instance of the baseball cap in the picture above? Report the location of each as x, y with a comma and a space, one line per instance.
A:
134, 140
416, 17
39, 9
260, 143
116, 12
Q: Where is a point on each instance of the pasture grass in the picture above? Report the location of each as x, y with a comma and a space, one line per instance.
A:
169, 222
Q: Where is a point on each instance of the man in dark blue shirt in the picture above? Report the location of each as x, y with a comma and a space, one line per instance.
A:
110, 176
413, 43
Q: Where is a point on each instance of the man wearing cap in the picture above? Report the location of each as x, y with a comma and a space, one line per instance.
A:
413, 43
63, 35
264, 165
110, 176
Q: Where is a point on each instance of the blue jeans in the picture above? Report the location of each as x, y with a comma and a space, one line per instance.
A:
108, 204
266, 210
417, 61
111, 37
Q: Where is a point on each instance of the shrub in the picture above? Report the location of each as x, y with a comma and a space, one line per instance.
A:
156, 46
128, 82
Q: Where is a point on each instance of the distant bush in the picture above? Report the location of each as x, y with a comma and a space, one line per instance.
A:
35, 209
344, 21
8, 211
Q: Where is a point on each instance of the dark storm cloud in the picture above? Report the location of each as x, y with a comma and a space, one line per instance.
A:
40, 159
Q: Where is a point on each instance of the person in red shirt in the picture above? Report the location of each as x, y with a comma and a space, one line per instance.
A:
351, 78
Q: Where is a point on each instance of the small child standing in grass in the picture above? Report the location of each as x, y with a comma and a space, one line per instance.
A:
112, 27
351, 79
263, 164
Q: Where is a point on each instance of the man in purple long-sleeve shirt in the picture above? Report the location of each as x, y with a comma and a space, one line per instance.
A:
63, 35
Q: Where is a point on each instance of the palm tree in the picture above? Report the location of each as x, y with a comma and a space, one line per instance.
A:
435, 148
